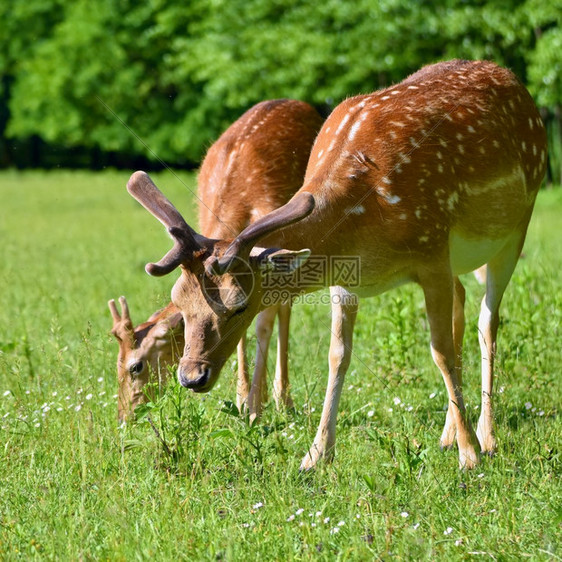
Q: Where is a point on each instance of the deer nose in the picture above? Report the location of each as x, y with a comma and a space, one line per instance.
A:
196, 378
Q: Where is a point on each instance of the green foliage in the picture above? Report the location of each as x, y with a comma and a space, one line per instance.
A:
163, 79
197, 481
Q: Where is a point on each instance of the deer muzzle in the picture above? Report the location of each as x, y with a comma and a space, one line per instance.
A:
196, 376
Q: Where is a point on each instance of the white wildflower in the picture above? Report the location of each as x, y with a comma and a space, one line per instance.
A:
448, 531
397, 400
299, 511
528, 405
258, 505
404, 514
370, 413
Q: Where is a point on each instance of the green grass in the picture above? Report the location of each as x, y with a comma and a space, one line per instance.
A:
75, 486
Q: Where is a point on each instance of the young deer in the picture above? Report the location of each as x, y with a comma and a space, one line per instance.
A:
423, 181
255, 166
145, 353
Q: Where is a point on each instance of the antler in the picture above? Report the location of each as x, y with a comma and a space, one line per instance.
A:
142, 188
299, 207
122, 324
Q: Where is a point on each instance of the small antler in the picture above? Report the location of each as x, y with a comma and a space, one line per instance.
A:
122, 323
186, 240
299, 207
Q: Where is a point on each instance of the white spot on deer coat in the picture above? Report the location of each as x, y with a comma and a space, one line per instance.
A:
393, 199
357, 210
354, 129
342, 124
452, 200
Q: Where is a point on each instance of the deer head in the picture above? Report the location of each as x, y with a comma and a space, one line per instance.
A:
145, 353
219, 289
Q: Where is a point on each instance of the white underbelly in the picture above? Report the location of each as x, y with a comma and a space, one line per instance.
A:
468, 254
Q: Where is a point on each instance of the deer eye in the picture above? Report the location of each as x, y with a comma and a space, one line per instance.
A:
136, 368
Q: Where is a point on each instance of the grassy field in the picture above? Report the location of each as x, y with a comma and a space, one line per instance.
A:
75, 486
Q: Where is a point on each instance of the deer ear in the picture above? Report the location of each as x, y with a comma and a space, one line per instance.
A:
176, 321
165, 328
284, 261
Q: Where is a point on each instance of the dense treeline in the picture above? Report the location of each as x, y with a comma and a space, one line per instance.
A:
117, 82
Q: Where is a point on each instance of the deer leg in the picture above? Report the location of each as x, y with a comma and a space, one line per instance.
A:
258, 390
438, 291
449, 431
281, 383
243, 384
344, 312
499, 273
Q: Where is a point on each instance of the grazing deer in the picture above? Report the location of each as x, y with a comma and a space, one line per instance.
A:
145, 353
255, 166
423, 181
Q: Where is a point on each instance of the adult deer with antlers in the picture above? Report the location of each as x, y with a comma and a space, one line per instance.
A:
422, 181
255, 166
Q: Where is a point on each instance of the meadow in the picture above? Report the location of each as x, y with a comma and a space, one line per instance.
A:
192, 480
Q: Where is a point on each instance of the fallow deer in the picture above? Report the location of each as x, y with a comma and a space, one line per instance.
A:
255, 166
423, 181
145, 353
